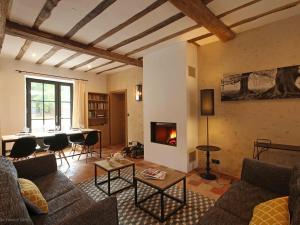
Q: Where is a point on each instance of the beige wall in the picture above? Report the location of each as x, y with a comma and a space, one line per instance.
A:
237, 124
127, 80
12, 90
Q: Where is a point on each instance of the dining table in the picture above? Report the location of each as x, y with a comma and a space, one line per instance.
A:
41, 135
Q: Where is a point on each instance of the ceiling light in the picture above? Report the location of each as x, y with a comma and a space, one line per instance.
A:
33, 55
89, 66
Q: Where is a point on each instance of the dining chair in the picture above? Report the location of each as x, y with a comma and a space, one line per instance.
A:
76, 140
89, 142
23, 148
58, 143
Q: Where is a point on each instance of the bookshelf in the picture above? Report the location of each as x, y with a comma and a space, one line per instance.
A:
98, 114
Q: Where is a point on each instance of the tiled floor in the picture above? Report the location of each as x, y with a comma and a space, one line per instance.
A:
79, 171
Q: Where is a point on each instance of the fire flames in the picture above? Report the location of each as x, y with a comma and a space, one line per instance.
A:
173, 134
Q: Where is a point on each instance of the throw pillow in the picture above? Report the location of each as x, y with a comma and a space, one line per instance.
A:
272, 212
33, 197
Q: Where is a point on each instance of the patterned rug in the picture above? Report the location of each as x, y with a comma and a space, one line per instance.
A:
195, 208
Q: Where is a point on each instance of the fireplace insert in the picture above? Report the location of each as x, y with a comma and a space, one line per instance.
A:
164, 133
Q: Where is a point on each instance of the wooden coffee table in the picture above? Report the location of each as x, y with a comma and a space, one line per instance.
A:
109, 167
172, 178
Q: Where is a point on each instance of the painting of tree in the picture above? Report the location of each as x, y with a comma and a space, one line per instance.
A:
279, 83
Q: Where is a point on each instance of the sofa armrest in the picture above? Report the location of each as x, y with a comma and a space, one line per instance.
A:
268, 176
104, 212
36, 167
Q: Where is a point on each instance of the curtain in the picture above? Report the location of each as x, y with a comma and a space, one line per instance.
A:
79, 105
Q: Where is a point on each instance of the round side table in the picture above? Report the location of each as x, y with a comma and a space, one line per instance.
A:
208, 148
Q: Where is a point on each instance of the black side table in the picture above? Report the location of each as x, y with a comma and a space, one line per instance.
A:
208, 148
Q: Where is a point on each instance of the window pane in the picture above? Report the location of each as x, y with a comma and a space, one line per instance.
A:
49, 124
65, 93
37, 125
49, 92
36, 110
49, 110
65, 110
65, 124
36, 91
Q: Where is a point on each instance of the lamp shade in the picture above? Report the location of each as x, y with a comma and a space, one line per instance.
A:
139, 92
207, 102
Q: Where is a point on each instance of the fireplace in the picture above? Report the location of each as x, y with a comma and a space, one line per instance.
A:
163, 133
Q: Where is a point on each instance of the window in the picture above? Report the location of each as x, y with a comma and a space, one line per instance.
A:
49, 104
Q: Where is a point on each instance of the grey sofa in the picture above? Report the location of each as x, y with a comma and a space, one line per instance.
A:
68, 205
260, 182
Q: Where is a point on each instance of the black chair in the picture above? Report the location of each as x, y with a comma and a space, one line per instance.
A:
76, 140
90, 140
23, 148
58, 143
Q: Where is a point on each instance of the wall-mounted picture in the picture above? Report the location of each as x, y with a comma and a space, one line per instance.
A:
276, 83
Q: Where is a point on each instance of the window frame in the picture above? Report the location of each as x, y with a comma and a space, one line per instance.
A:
57, 102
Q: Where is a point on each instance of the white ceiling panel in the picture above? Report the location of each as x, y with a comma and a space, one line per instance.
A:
36, 51
59, 56
97, 62
26, 11
80, 59
67, 14
151, 19
253, 10
11, 46
110, 18
108, 67
170, 29
208, 40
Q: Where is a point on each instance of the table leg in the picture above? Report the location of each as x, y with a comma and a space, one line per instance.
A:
133, 172
100, 143
108, 183
162, 207
184, 191
96, 183
3, 148
135, 191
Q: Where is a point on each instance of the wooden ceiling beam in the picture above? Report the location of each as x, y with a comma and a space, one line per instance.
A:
189, 29
48, 55
96, 67
4, 9
132, 19
113, 68
200, 13
84, 63
148, 31
251, 19
44, 14
75, 55
57, 41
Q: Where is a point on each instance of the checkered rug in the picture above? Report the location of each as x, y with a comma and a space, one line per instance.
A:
195, 208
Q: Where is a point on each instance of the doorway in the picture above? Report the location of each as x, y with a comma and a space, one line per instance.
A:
118, 118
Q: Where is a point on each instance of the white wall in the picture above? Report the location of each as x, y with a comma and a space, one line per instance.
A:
165, 100
12, 90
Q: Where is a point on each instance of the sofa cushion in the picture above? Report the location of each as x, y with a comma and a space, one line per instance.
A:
218, 216
33, 197
294, 196
12, 207
53, 185
67, 205
7, 166
242, 197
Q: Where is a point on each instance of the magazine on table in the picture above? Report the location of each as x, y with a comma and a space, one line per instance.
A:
155, 174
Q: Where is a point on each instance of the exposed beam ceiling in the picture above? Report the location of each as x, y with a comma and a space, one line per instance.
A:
132, 19
250, 19
148, 31
68, 59
61, 42
199, 12
188, 29
84, 63
43, 15
96, 67
111, 69
89, 17
4, 9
